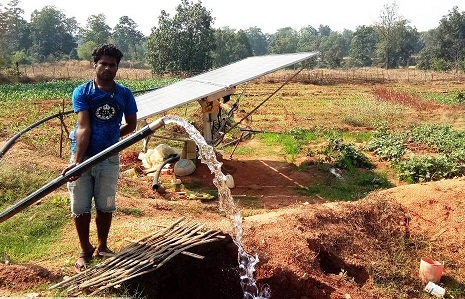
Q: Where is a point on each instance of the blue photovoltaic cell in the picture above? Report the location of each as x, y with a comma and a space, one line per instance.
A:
203, 85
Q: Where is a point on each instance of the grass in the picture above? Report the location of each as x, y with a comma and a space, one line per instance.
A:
361, 112
243, 150
131, 211
249, 205
17, 182
394, 279
30, 234
357, 137
291, 143
352, 185
449, 98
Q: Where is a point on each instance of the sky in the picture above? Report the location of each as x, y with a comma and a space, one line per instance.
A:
268, 15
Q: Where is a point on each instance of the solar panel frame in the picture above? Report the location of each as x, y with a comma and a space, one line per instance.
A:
214, 81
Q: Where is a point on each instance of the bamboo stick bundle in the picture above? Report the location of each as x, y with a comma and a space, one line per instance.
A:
140, 257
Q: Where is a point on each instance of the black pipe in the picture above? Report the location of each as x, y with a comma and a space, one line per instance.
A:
12, 140
53, 185
146, 90
171, 158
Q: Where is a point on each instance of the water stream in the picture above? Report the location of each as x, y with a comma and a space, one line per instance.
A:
227, 205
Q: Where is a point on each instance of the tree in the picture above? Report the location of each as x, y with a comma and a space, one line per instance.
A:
84, 51
444, 46
231, 46
52, 34
4, 57
347, 36
285, 40
324, 30
258, 41
309, 39
397, 40
14, 34
128, 38
182, 43
428, 53
408, 43
332, 49
18, 28
386, 27
243, 49
96, 30
363, 46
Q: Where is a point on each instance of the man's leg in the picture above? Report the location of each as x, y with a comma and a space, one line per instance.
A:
82, 223
104, 192
81, 204
103, 222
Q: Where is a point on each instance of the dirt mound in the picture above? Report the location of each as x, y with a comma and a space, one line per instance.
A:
14, 278
435, 209
323, 250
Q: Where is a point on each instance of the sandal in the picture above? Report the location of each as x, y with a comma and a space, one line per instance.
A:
84, 259
105, 252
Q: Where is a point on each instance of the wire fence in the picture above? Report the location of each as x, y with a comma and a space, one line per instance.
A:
127, 71
367, 76
78, 70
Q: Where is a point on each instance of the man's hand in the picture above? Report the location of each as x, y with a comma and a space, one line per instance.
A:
68, 168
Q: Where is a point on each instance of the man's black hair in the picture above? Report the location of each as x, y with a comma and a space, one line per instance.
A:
107, 50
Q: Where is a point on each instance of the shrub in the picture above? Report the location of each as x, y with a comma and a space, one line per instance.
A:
427, 168
386, 145
344, 155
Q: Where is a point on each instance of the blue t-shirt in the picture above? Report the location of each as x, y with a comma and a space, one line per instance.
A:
106, 110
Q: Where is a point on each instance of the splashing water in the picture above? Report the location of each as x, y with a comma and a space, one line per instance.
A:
246, 261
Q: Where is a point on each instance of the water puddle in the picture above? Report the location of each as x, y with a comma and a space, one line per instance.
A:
227, 205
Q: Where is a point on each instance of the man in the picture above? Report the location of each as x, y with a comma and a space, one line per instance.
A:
100, 105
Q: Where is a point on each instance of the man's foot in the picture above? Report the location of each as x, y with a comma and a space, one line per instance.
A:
84, 259
104, 253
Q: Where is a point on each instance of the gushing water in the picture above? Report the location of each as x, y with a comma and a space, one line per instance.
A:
246, 261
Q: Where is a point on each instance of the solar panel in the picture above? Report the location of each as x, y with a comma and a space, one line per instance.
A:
203, 85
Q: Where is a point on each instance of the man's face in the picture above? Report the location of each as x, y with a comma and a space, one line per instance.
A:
106, 68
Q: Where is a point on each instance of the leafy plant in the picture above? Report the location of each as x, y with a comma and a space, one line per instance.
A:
344, 274
387, 146
344, 155
62, 89
446, 146
460, 98
442, 138
427, 168
449, 98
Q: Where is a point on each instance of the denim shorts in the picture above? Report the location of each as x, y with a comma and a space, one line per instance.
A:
99, 183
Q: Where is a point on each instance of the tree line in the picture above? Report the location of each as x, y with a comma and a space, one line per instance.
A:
187, 42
